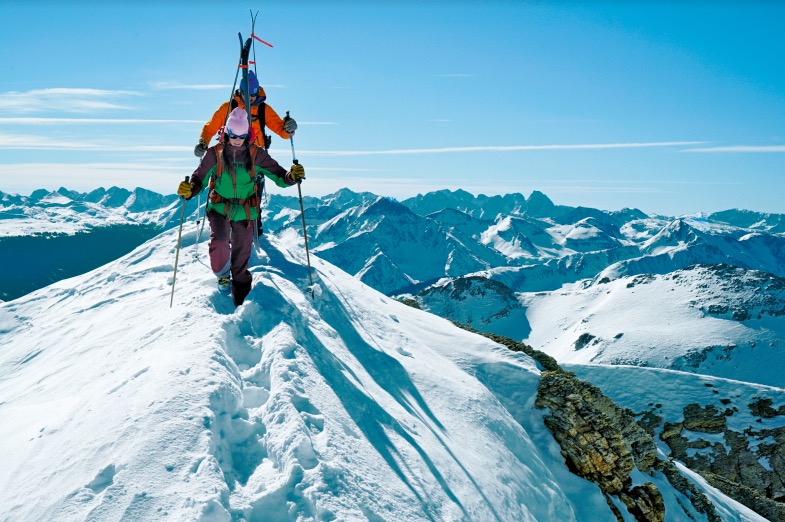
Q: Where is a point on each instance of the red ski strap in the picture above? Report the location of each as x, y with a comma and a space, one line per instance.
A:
260, 40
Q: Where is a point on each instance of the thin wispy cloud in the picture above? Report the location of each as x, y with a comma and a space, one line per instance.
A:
636, 181
33, 142
741, 148
590, 189
344, 169
88, 176
36, 142
68, 121
502, 148
170, 86
65, 100
167, 86
405, 187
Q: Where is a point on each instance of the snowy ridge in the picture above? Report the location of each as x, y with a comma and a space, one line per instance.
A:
351, 407
405, 246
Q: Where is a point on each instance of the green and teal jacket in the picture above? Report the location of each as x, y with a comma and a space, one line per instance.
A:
234, 191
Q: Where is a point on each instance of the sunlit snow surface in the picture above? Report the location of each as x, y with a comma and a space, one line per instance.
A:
683, 321
352, 406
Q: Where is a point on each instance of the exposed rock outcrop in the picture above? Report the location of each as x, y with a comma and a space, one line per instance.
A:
603, 443
748, 466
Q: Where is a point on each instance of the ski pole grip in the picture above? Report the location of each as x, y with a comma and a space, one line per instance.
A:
187, 180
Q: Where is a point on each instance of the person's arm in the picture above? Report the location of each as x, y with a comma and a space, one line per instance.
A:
274, 122
197, 178
216, 122
273, 170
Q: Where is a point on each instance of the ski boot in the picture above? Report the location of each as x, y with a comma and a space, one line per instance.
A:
225, 285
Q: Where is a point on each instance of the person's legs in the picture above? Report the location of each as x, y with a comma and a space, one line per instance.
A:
242, 242
219, 246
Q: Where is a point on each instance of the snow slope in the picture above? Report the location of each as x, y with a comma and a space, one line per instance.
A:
709, 319
349, 407
352, 407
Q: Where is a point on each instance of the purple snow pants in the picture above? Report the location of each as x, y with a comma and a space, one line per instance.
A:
230, 250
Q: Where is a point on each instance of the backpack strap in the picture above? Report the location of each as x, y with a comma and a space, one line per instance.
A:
252, 151
219, 164
213, 196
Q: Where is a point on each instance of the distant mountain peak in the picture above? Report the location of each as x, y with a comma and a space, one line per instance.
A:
385, 205
539, 205
39, 194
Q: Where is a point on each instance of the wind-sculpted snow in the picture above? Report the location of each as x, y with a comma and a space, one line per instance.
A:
349, 407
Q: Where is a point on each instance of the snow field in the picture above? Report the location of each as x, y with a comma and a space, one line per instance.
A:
654, 323
350, 407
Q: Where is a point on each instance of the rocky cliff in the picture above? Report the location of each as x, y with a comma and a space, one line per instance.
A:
603, 443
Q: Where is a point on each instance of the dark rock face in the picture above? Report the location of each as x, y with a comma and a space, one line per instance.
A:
762, 408
706, 420
603, 443
748, 466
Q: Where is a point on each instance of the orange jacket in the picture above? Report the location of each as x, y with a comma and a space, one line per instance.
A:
271, 120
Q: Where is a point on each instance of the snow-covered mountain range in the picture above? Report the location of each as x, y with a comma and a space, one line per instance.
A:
69, 212
233, 405
348, 406
575, 282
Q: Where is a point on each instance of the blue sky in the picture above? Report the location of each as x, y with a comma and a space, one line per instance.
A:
669, 107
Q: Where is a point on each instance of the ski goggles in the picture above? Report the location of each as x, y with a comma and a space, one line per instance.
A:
233, 136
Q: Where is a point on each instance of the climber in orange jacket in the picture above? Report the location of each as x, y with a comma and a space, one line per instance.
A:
262, 115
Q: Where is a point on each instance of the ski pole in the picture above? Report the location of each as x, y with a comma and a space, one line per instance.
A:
177, 255
201, 221
302, 210
291, 140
